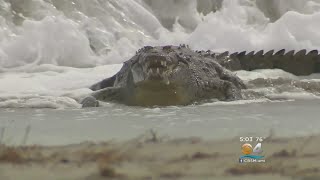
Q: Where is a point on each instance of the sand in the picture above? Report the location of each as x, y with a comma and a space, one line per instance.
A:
149, 157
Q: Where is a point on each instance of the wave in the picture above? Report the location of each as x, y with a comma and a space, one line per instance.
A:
92, 33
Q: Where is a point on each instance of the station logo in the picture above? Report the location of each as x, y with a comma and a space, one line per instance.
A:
250, 154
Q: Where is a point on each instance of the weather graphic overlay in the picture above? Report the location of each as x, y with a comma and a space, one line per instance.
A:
250, 153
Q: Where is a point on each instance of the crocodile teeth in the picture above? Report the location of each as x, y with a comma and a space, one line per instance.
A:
163, 63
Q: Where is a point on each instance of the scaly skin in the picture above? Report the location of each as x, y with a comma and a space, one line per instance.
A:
297, 63
177, 75
169, 75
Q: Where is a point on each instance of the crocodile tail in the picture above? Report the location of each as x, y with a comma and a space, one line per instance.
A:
298, 63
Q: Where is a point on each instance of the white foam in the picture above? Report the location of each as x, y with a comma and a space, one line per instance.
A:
53, 40
34, 101
293, 96
233, 29
61, 33
265, 74
239, 102
51, 86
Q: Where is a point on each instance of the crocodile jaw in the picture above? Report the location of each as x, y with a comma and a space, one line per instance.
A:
153, 68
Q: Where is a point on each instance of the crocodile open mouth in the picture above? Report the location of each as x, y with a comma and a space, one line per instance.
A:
157, 67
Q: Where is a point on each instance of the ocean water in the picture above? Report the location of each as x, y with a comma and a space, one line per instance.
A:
51, 51
118, 122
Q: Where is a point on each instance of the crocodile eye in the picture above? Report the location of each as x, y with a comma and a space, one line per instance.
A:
148, 48
205, 70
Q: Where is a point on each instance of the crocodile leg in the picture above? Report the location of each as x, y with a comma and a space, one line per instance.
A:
109, 94
222, 90
104, 83
106, 94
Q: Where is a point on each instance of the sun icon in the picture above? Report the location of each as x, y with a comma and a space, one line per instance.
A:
246, 149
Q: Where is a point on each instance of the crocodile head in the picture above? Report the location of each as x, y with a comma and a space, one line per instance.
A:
159, 77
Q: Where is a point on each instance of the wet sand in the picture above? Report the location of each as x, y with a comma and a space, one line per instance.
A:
152, 157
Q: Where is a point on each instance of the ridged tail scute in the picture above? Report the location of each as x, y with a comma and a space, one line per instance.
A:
233, 55
298, 63
224, 54
224, 60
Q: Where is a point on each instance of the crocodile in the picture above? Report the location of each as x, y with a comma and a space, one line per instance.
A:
177, 75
